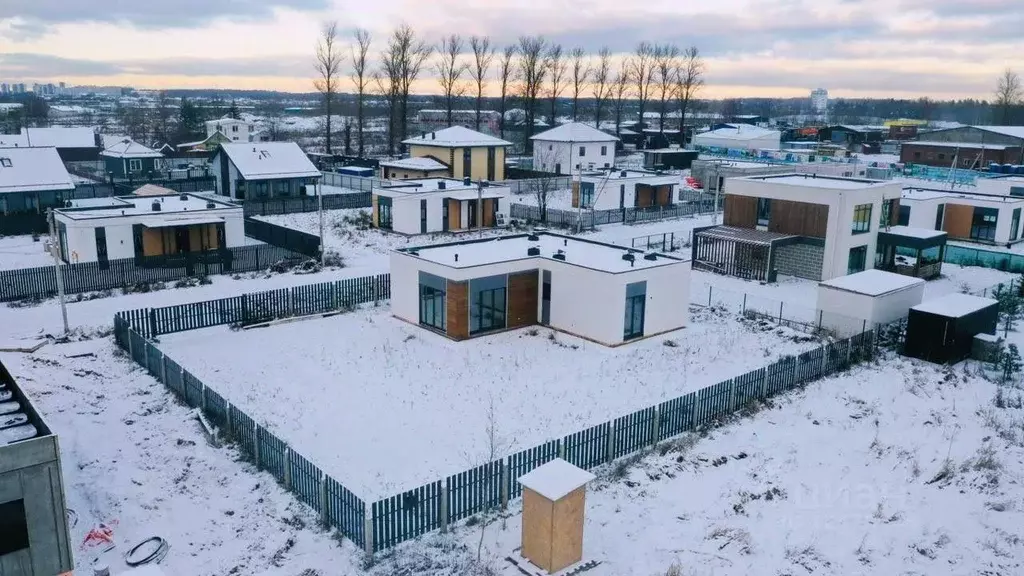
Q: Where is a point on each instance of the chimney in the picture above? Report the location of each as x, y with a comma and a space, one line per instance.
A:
156, 206
456, 256
441, 185
467, 181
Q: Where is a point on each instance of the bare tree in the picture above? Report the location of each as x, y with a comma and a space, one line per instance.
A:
361, 79
531, 75
388, 83
449, 68
483, 55
666, 63
689, 81
543, 186
402, 62
328, 65
506, 75
557, 67
580, 75
643, 64
601, 83
162, 126
273, 121
1008, 95
619, 92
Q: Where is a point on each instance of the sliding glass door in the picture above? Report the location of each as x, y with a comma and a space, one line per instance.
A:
636, 299
432, 301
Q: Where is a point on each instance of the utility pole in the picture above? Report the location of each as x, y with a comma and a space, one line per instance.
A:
319, 189
55, 251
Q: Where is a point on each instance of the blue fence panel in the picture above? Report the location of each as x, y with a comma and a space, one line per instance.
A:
305, 480
243, 428
271, 453
522, 462
314, 298
174, 380
809, 366
154, 361
193, 390
712, 402
632, 432
780, 375
747, 388
475, 490
676, 416
216, 409
346, 512
836, 352
406, 515
588, 448
138, 344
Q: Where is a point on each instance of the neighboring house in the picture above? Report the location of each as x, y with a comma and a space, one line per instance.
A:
572, 148
439, 205
669, 159
234, 130
739, 137
1012, 136
600, 292
619, 189
34, 539
263, 170
405, 168
146, 226
209, 144
959, 154
981, 218
814, 227
32, 180
127, 158
72, 144
466, 152
429, 119
849, 135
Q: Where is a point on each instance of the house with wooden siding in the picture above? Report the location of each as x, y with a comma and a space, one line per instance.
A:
467, 153
620, 189
263, 170
126, 158
601, 292
814, 227
964, 215
431, 205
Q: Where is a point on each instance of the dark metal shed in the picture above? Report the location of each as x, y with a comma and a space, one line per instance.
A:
942, 330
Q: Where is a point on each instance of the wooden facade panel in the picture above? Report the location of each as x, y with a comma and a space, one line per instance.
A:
538, 515
894, 212
488, 209
798, 218
575, 194
958, 220
664, 195
644, 196
152, 242
522, 298
454, 214
457, 310
567, 530
740, 211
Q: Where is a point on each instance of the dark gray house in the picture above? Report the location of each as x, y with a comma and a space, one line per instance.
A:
263, 170
127, 159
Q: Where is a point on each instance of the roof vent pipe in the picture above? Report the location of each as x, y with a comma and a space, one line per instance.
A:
183, 197
156, 206
456, 257
441, 185
433, 136
622, 174
466, 181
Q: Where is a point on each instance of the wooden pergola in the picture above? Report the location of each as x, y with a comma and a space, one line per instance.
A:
741, 252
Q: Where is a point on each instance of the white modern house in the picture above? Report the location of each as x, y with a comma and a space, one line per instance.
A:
427, 205
850, 304
32, 180
144, 226
572, 148
620, 189
234, 129
814, 227
263, 170
416, 167
964, 215
600, 292
739, 137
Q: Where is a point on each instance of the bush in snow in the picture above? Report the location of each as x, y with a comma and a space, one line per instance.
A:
1010, 363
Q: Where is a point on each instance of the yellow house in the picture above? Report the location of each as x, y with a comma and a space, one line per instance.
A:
467, 153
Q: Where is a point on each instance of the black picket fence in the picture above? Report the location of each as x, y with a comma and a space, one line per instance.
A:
288, 238
128, 273
297, 204
592, 218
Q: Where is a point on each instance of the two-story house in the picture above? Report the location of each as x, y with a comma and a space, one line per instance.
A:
126, 158
262, 170
234, 129
467, 153
572, 148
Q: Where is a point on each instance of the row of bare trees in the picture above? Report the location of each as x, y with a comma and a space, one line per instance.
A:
534, 72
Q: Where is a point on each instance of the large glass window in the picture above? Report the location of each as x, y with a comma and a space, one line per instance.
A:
586, 194
883, 219
983, 224
1014, 224
467, 162
259, 189
764, 211
432, 301
487, 304
861, 218
636, 301
384, 212
857, 259
282, 188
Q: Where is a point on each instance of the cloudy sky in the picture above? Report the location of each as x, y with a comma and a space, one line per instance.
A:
896, 48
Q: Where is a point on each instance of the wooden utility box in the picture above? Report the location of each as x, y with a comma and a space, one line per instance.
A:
554, 497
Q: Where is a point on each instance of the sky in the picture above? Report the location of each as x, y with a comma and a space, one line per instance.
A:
753, 48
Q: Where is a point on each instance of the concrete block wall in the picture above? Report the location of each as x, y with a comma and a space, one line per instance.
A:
800, 260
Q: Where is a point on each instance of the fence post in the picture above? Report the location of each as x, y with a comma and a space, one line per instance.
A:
202, 396
443, 505
245, 306
152, 323
288, 467
504, 484
655, 425
163, 368
732, 394
849, 350
821, 317
709, 296
131, 351
325, 516
227, 417
796, 371
780, 311
256, 444
744, 311
693, 410
764, 381
610, 443
824, 360
368, 528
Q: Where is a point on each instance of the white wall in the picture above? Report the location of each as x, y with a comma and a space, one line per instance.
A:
923, 211
768, 142
848, 313
405, 210
547, 154
405, 286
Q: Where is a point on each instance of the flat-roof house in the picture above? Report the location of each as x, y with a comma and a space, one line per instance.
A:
262, 170
406, 168
235, 130
852, 304
126, 158
620, 189
72, 144
31, 180
963, 215
740, 137
572, 148
814, 227
147, 226
429, 205
467, 153
601, 292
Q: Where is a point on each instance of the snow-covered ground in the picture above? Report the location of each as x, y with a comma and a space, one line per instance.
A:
384, 406
23, 252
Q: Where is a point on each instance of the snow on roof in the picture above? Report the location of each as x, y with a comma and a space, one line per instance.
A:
152, 190
574, 132
13, 141
643, 177
556, 479
577, 252
971, 145
266, 160
61, 137
740, 132
873, 282
452, 188
128, 148
954, 305
419, 163
456, 136
908, 232
914, 194
815, 181
32, 170
171, 205
1014, 131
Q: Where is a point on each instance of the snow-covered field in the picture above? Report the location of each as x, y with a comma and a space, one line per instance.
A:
384, 406
23, 252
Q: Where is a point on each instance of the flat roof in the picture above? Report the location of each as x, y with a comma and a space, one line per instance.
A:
814, 181
743, 234
424, 185
578, 252
555, 479
963, 145
930, 194
640, 175
418, 163
907, 231
873, 282
143, 205
954, 305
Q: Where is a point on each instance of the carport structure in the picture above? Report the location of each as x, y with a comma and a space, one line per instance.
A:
742, 252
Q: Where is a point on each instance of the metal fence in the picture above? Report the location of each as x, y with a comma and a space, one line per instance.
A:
964, 256
359, 183
283, 237
592, 218
125, 273
296, 204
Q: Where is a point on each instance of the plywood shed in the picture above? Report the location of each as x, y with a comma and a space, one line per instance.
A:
942, 330
554, 498
852, 304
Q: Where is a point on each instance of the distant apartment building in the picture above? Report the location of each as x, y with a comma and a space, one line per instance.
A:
430, 120
819, 100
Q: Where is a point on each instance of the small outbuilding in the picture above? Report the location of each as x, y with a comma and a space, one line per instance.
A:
942, 330
857, 302
554, 499
419, 167
916, 252
669, 159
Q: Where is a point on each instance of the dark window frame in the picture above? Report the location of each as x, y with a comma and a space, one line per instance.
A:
13, 527
635, 311
983, 224
1014, 224
385, 217
857, 259
488, 304
764, 211
432, 293
861, 219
